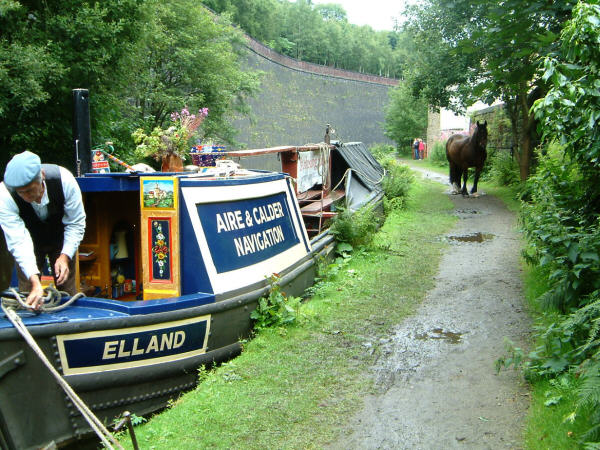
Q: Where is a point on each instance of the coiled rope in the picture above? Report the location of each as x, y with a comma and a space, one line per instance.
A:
51, 304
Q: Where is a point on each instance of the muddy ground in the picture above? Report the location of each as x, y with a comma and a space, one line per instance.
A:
437, 387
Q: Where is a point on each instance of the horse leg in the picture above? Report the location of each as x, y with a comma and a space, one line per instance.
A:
476, 179
455, 178
465, 174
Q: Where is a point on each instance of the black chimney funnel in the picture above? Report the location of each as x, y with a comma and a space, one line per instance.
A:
82, 136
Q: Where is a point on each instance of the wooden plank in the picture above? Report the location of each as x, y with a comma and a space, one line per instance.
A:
311, 194
264, 151
316, 206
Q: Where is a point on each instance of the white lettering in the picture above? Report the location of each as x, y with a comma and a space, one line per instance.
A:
110, 348
263, 217
258, 241
239, 246
220, 224
239, 220
122, 352
166, 341
135, 350
153, 345
179, 339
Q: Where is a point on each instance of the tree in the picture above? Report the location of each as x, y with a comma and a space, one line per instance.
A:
332, 12
47, 49
186, 58
570, 111
140, 60
484, 50
405, 116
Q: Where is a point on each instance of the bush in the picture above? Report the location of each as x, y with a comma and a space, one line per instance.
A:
437, 153
396, 184
504, 169
382, 151
562, 239
275, 310
356, 228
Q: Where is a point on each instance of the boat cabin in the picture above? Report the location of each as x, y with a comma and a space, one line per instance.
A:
163, 235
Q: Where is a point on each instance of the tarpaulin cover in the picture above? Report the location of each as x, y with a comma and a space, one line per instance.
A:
363, 181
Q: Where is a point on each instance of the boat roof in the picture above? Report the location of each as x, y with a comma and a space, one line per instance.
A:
124, 181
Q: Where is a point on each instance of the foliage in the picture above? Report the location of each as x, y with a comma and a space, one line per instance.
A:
187, 57
485, 50
49, 48
318, 33
499, 128
504, 169
561, 218
396, 184
276, 309
174, 140
437, 153
356, 228
405, 116
561, 240
139, 59
570, 111
382, 151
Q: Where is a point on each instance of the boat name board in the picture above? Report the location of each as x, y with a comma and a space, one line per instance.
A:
249, 231
97, 351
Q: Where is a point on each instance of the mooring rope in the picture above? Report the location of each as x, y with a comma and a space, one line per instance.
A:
50, 302
9, 307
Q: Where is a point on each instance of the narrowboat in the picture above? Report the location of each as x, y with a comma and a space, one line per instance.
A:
172, 265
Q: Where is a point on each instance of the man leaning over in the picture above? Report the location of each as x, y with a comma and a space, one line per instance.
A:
42, 214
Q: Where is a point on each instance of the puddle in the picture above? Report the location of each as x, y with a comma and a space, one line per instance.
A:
475, 237
439, 333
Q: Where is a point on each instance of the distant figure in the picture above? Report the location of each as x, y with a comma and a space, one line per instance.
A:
421, 149
416, 148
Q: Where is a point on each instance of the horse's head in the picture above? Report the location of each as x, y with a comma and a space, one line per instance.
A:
481, 134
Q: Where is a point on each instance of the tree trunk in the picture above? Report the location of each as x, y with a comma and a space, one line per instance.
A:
526, 123
512, 108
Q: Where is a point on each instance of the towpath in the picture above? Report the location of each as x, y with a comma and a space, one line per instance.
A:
436, 383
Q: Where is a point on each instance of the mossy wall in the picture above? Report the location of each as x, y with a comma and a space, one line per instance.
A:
294, 105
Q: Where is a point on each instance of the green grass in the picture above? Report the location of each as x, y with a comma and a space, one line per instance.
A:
296, 387
548, 425
508, 194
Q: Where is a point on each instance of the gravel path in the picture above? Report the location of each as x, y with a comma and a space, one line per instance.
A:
437, 386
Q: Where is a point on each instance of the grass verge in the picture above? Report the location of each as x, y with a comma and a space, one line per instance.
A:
296, 387
550, 421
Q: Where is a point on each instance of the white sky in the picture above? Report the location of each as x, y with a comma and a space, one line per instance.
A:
378, 14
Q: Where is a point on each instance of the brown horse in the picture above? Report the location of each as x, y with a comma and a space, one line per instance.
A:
464, 152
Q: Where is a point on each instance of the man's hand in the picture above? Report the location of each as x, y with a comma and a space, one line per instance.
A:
61, 269
36, 294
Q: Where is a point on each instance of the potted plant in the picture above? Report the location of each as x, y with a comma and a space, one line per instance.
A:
170, 146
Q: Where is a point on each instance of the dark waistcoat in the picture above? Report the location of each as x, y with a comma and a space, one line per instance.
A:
48, 233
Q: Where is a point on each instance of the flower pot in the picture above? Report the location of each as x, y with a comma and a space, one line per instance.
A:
171, 163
